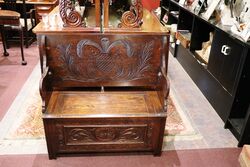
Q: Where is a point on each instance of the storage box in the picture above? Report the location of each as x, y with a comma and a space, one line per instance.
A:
96, 122
184, 37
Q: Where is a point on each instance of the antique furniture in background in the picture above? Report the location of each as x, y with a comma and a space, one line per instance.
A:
104, 80
43, 7
11, 20
31, 13
27, 19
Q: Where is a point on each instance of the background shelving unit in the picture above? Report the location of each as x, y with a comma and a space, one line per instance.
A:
170, 10
223, 74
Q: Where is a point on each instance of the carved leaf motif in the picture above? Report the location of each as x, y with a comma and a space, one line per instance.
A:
86, 42
94, 62
131, 134
79, 134
114, 134
65, 53
144, 59
105, 46
143, 62
67, 58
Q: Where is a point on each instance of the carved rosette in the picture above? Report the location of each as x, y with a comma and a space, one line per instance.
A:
133, 17
69, 15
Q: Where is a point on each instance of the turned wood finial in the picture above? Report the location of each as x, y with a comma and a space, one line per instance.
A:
69, 15
133, 17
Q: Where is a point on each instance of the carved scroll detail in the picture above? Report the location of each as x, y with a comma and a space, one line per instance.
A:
69, 15
93, 62
43, 90
105, 134
133, 17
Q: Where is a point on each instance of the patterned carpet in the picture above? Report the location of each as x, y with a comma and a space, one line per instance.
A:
31, 125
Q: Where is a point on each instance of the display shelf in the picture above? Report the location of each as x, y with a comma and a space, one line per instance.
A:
218, 62
175, 14
200, 59
237, 124
241, 108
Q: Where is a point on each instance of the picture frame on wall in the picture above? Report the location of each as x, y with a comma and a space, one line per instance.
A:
210, 9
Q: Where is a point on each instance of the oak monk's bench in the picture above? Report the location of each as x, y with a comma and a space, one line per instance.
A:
104, 91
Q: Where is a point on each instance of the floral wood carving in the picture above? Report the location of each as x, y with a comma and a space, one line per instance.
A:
105, 62
85, 135
133, 17
70, 17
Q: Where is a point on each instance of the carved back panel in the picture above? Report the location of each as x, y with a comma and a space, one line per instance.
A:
104, 60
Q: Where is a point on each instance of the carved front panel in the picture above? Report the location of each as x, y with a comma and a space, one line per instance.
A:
82, 135
105, 59
109, 137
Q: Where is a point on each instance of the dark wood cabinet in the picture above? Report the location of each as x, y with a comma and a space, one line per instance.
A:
224, 60
222, 74
216, 58
239, 118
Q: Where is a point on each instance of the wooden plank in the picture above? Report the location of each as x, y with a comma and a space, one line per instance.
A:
103, 104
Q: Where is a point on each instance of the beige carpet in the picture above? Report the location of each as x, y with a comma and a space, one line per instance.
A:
22, 126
